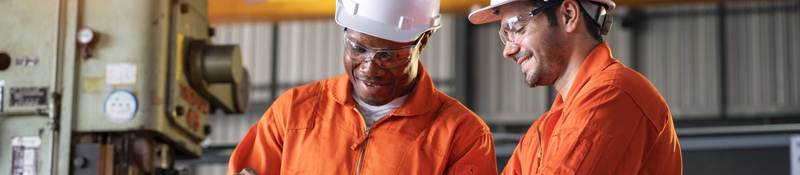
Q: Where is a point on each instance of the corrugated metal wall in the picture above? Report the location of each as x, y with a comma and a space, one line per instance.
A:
763, 57
682, 56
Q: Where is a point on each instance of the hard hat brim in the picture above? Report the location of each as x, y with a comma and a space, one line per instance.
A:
486, 14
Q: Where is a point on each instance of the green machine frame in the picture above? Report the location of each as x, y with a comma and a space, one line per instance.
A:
110, 86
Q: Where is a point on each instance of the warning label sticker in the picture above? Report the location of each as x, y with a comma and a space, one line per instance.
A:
27, 96
23, 154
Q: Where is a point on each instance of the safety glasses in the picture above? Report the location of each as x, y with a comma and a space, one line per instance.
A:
387, 58
514, 27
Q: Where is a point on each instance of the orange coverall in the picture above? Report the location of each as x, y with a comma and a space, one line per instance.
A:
317, 129
613, 122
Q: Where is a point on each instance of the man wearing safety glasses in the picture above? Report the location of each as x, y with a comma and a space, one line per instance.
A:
383, 116
606, 118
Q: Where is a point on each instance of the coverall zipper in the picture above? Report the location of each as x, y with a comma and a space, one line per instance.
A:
366, 140
541, 148
363, 151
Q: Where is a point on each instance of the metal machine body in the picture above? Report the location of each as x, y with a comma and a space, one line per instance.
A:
110, 86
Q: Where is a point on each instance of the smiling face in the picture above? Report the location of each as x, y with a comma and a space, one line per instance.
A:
375, 83
538, 47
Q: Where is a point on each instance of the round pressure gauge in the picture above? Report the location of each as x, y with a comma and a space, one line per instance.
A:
85, 35
120, 106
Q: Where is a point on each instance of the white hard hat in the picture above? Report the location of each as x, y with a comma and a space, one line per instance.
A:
396, 20
487, 14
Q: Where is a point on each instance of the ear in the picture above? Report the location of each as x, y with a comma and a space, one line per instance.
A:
570, 12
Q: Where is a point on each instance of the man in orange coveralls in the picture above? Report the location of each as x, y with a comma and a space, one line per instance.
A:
607, 118
383, 116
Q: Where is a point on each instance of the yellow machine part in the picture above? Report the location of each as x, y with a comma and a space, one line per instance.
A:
280, 10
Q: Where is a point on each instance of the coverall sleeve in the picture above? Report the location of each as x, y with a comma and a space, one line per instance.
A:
260, 149
477, 157
603, 132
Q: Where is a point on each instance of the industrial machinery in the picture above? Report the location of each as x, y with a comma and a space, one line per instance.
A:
110, 86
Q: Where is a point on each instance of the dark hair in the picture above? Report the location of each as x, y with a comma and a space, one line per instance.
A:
588, 21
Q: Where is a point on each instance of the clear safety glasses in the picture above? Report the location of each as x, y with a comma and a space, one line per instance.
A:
388, 58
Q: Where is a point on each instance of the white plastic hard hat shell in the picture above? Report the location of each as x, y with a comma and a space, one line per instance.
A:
396, 20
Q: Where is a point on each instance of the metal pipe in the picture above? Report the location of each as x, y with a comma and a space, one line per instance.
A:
54, 107
723, 61
464, 64
274, 67
737, 130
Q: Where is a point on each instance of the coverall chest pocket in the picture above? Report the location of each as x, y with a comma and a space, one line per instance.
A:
566, 152
314, 147
302, 153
